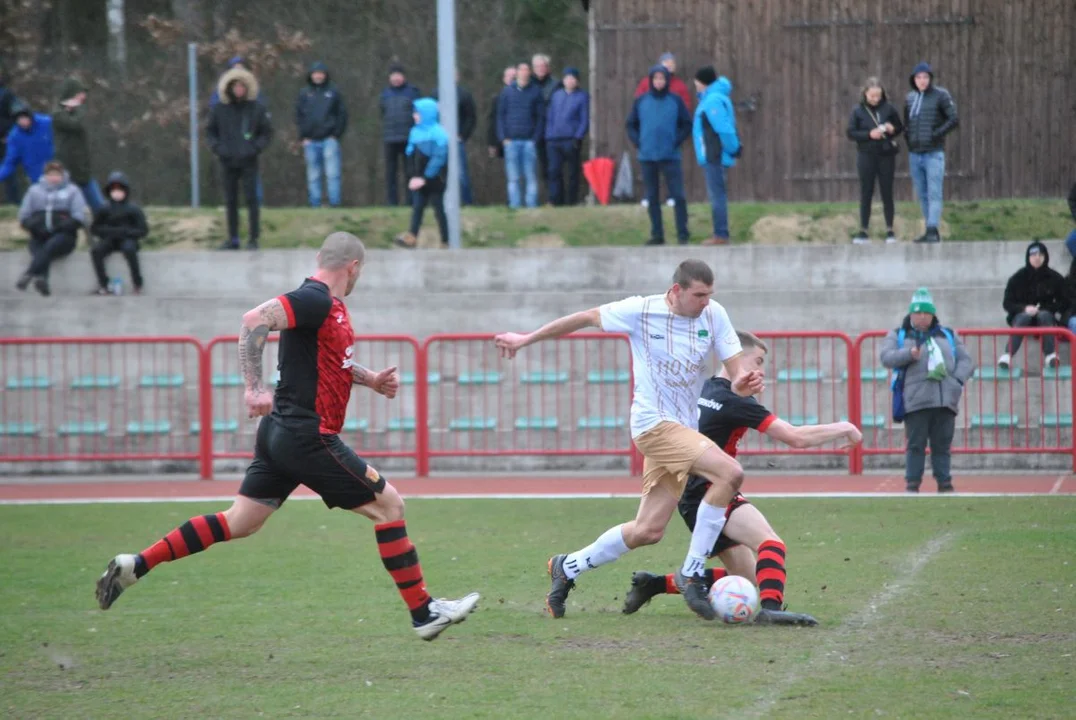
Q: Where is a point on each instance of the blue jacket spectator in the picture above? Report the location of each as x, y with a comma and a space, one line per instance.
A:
659, 122
520, 113
568, 116
28, 144
427, 162
714, 129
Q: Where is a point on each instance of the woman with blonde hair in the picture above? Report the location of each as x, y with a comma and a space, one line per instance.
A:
874, 126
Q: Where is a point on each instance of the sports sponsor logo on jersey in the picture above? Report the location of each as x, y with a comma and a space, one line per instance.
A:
349, 361
704, 333
655, 336
712, 404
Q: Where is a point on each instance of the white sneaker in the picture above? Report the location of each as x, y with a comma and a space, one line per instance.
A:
446, 612
1004, 361
670, 202
1052, 360
118, 577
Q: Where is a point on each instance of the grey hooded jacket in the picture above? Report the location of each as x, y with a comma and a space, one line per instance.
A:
920, 392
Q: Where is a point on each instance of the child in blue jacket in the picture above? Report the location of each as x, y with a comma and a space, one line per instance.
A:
427, 163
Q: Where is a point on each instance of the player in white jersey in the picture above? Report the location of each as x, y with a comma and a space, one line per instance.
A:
672, 336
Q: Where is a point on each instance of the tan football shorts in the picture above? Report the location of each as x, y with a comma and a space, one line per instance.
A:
670, 450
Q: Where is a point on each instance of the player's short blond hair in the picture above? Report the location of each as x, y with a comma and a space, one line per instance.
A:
750, 340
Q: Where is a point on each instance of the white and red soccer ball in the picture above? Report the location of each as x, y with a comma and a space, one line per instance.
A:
734, 599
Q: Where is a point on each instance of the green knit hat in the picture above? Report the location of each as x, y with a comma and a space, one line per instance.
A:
70, 87
922, 301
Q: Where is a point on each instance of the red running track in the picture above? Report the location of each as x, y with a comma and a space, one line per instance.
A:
138, 489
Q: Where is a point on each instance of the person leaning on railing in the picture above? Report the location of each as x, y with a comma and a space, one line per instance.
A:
935, 365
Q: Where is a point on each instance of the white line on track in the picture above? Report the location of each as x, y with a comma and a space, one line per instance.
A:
1057, 484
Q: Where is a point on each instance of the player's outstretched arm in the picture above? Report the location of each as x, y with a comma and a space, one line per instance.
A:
808, 436
386, 382
510, 343
257, 324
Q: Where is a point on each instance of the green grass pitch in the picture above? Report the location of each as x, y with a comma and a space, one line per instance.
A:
930, 608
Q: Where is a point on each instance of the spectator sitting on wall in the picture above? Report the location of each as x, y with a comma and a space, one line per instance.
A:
52, 212
929, 115
29, 144
7, 121
240, 62
72, 142
716, 145
1034, 297
397, 101
520, 122
466, 122
935, 365
567, 123
873, 126
427, 160
496, 147
239, 131
321, 116
658, 125
1070, 243
117, 227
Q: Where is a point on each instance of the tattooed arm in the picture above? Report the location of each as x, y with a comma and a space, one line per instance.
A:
257, 324
386, 382
361, 375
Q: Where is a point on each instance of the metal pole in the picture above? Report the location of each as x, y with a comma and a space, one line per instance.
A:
192, 90
446, 91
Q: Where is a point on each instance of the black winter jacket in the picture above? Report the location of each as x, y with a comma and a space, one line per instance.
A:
119, 220
320, 111
467, 113
861, 123
1041, 286
928, 117
238, 130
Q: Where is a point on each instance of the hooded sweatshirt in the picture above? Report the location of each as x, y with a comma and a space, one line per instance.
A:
427, 147
929, 115
239, 130
714, 130
320, 111
659, 122
31, 148
119, 221
1042, 286
48, 209
69, 131
866, 117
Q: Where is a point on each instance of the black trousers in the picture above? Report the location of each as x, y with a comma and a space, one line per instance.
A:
248, 176
46, 247
419, 201
394, 153
563, 155
873, 167
103, 248
1043, 318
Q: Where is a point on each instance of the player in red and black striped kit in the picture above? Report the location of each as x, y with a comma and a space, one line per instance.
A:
747, 546
298, 441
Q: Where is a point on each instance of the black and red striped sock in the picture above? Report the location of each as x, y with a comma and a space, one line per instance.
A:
191, 537
401, 560
709, 575
770, 574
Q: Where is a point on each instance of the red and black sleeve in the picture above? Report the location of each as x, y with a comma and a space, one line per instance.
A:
754, 415
306, 306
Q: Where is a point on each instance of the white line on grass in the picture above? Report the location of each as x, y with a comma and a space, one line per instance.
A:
859, 621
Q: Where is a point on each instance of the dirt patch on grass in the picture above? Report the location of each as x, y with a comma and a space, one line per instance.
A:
831, 229
580, 643
542, 240
1062, 639
187, 232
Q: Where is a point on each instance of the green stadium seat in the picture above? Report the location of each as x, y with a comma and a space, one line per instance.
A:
1058, 373
19, 429
219, 427
356, 425
869, 421
544, 377
406, 424
802, 419
996, 373
408, 378
601, 423
536, 423
1064, 420
86, 427
804, 374
229, 380
607, 377
95, 382
473, 423
33, 382
878, 374
149, 427
160, 381
991, 421
480, 378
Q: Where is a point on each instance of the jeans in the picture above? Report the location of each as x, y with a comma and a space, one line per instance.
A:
393, 152
521, 158
1043, 319
466, 196
248, 176
424, 197
674, 179
48, 247
928, 175
103, 248
563, 155
936, 426
91, 191
322, 159
719, 198
872, 166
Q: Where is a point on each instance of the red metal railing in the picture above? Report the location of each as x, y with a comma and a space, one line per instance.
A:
1027, 410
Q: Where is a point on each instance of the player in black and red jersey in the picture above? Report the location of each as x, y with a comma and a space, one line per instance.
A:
299, 442
747, 546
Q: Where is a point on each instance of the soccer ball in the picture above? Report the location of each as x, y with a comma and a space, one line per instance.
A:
734, 599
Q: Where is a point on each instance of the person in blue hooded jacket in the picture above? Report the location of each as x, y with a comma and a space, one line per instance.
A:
658, 125
427, 166
716, 145
29, 144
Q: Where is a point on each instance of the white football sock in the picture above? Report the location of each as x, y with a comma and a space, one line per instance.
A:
709, 522
605, 549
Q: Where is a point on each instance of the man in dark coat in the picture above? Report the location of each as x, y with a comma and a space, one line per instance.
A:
321, 115
520, 123
72, 140
1035, 296
466, 122
397, 102
929, 115
239, 130
118, 227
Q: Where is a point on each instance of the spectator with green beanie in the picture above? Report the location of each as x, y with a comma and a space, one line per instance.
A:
73, 143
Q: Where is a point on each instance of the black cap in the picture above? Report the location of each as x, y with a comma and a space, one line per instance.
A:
706, 75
